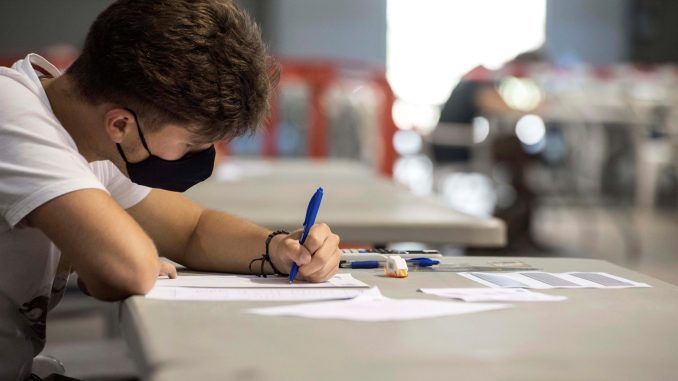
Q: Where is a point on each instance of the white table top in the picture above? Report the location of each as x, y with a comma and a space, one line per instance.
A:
358, 204
619, 334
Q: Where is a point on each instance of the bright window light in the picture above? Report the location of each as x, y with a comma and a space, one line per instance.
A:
432, 43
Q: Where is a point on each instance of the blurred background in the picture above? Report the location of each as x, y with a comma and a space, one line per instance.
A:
559, 117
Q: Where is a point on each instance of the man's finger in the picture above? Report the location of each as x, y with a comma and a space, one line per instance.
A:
296, 252
321, 256
325, 254
172, 272
329, 268
168, 269
317, 236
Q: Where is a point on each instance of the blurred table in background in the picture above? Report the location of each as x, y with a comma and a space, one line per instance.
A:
358, 204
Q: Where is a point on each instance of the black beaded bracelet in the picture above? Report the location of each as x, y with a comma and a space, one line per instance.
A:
266, 257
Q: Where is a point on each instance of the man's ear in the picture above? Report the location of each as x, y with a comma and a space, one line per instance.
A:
118, 123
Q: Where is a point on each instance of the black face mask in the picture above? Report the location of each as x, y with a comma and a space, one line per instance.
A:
174, 175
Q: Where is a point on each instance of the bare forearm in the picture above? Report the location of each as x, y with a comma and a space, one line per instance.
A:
224, 243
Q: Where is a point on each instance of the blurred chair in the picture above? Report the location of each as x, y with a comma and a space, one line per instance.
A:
451, 144
654, 157
657, 153
326, 109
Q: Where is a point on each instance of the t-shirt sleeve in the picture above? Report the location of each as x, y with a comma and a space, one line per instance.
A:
122, 189
38, 159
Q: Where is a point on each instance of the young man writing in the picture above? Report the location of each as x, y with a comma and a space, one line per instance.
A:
91, 163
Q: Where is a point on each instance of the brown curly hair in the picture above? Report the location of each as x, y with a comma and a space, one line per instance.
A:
200, 63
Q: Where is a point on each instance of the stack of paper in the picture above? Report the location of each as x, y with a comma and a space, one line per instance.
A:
209, 280
225, 287
373, 307
253, 294
492, 294
544, 280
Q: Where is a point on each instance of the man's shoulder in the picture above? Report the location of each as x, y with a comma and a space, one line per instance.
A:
26, 118
15, 82
18, 95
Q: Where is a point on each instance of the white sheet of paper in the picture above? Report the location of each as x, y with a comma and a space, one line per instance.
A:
543, 280
212, 280
373, 307
492, 294
253, 294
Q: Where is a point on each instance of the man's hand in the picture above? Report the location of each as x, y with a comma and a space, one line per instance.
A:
318, 258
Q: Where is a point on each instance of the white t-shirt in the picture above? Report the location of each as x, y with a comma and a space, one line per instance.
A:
39, 161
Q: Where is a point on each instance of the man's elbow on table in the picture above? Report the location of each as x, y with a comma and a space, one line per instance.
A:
111, 253
124, 280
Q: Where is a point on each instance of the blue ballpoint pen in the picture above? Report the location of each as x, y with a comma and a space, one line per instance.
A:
417, 262
422, 262
362, 264
309, 220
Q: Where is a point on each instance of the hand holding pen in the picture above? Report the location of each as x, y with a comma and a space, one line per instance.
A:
309, 221
313, 250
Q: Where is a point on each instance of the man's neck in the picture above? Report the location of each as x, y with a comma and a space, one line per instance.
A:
83, 121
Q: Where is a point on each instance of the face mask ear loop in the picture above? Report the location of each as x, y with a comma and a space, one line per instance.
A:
122, 153
141, 134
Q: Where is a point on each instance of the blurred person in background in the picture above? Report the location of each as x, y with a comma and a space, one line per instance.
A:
476, 95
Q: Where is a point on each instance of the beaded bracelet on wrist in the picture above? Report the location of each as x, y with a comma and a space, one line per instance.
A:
266, 257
